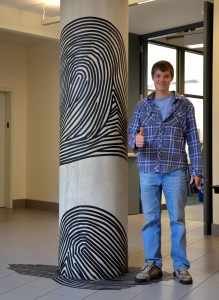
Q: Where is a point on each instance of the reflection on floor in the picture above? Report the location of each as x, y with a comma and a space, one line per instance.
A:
30, 237
194, 199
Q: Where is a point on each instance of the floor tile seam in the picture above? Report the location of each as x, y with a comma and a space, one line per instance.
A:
95, 292
211, 276
194, 242
7, 275
211, 251
19, 286
33, 253
201, 248
146, 288
60, 294
194, 229
28, 248
181, 286
53, 293
167, 255
193, 289
4, 271
203, 255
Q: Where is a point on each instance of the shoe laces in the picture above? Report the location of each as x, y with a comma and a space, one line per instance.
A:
184, 272
148, 266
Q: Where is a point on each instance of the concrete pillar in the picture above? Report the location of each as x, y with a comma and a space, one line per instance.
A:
93, 143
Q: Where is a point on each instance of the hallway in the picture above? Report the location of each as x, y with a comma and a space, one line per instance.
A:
30, 237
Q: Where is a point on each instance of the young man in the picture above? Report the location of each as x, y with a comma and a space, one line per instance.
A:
160, 127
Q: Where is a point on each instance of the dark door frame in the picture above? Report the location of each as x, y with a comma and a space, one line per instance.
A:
207, 106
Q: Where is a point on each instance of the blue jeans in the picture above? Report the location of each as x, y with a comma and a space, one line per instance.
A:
174, 187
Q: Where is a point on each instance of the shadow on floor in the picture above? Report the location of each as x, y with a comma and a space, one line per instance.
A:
118, 283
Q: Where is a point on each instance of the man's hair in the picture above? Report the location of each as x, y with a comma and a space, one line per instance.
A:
163, 66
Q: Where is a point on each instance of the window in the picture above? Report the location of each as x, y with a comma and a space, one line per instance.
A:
193, 84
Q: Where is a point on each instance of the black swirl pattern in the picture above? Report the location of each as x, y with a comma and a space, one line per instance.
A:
93, 91
92, 246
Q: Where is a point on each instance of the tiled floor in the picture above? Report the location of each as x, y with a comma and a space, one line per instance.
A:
30, 236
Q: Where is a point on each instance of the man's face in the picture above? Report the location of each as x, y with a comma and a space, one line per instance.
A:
162, 80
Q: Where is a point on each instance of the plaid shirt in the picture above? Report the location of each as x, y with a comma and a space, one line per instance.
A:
165, 140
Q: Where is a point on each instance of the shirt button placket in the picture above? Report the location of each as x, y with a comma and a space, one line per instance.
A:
159, 146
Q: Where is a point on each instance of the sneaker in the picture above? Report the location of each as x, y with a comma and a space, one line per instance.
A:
148, 272
183, 276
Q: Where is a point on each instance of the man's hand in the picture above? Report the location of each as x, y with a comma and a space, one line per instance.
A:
139, 140
198, 181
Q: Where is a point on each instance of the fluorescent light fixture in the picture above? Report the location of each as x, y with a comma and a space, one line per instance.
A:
195, 46
142, 2
194, 41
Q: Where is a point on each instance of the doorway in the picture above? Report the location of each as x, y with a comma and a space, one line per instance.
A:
5, 148
206, 34
172, 46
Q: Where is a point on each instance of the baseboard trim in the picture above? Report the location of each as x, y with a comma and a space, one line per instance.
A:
19, 203
215, 229
27, 203
163, 206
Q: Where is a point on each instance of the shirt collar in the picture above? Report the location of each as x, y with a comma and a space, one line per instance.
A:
177, 97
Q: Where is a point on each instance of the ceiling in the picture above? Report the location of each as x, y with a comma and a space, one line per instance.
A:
150, 17
34, 6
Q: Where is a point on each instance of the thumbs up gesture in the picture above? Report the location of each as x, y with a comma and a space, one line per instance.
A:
139, 141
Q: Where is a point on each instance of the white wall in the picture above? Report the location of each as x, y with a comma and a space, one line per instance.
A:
13, 78
26, 22
2, 148
43, 122
215, 112
32, 77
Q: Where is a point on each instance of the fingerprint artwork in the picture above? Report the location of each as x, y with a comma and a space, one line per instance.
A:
93, 91
93, 245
